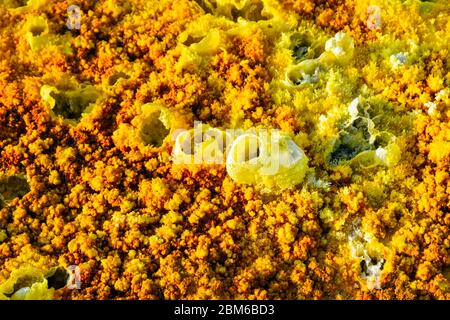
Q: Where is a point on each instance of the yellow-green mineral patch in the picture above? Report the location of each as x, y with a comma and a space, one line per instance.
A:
225, 149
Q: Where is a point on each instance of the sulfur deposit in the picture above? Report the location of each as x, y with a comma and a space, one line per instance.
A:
101, 120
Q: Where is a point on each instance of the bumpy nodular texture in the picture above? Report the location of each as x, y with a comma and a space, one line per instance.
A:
98, 105
268, 159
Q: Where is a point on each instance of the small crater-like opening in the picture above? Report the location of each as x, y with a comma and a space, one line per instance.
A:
205, 5
67, 107
25, 281
300, 46
353, 140
58, 279
304, 75
299, 51
382, 140
348, 147
36, 30
192, 40
303, 46
22, 282
153, 130
363, 266
360, 126
366, 266
343, 152
16, 3
13, 187
72, 104
116, 77
252, 12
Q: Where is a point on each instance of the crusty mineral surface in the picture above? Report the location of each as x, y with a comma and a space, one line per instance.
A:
88, 178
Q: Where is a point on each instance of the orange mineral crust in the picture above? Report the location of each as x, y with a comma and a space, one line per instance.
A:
106, 106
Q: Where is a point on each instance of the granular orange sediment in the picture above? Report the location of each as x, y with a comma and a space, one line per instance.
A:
370, 220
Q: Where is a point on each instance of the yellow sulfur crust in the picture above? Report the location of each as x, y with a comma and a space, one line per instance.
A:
90, 122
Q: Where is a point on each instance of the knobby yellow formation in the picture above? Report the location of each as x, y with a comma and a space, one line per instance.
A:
358, 92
